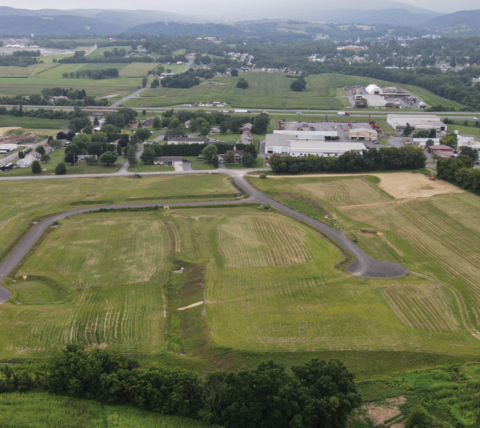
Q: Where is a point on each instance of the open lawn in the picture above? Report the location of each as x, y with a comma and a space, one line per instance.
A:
196, 163
25, 201
258, 164
271, 90
42, 410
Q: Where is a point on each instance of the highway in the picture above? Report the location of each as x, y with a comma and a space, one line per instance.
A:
363, 265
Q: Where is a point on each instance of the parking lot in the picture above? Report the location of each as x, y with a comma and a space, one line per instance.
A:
402, 103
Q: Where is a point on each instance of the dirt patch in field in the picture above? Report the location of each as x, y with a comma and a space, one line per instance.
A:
379, 413
5, 129
408, 186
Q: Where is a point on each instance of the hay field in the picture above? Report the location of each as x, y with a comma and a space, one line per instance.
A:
437, 236
25, 201
271, 284
95, 280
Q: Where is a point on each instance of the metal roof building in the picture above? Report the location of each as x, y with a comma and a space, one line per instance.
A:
419, 122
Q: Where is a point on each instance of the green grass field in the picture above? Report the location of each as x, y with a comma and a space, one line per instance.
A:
465, 130
435, 237
42, 410
25, 201
272, 90
27, 123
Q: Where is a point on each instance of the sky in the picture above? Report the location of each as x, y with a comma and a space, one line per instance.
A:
215, 7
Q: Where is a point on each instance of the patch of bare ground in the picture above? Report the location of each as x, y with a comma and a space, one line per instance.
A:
381, 412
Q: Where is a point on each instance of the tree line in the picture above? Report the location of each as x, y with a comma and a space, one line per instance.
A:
317, 394
383, 159
92, 74
460, 170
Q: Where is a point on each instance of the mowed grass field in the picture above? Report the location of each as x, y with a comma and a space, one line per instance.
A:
436, 237
272, 90
98, 280
42, 410
25, 201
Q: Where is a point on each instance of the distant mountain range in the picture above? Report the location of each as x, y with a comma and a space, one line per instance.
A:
466, 22
103, 22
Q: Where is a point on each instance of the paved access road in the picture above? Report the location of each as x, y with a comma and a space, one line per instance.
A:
364, 265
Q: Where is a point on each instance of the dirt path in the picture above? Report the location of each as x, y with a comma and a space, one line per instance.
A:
193, 305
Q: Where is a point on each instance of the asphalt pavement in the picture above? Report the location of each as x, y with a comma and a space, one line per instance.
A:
364, 265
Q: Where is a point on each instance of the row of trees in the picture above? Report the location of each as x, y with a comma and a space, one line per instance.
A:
313, 395
383, 159
460, 170
109, 73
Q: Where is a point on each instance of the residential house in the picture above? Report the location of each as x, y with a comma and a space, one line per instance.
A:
237, 156
26, 162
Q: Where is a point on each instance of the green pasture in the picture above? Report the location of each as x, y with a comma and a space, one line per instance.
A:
465, 130
29, 123
271, 90
98, 53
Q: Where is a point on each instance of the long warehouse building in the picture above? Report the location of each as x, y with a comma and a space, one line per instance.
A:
419, 122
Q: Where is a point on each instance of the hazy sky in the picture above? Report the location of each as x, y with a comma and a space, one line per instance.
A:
212, 7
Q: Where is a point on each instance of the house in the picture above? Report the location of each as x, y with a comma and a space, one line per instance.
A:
35, 155
247, 127
214, 131
237, 156
362, 134
48, 149
168, 160
441, 151
148, 122
26, 162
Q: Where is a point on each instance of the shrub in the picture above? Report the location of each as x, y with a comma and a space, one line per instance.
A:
36, 167
418, 418
61, 169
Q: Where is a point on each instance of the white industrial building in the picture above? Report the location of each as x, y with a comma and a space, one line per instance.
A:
292, 134
419, 122
375, 100
298, 148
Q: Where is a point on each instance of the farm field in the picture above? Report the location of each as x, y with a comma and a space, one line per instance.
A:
98, 53
42, 410
432, 228
29, 71
137, 69
268, 90
22, 202
52, 77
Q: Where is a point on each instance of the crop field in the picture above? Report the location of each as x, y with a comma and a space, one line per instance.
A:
435, 235
137, 69
98, 53
42, 410
52, 77
22, 202
29, 71
270, 90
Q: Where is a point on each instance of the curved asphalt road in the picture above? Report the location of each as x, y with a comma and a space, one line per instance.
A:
364, 265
